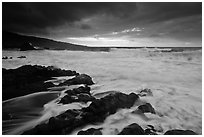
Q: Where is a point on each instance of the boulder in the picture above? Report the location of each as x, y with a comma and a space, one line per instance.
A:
179, 132
80, 79
146, 108
90, 131
133, 129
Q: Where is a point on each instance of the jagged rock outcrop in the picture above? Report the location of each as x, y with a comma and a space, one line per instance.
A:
96, 112
29, 79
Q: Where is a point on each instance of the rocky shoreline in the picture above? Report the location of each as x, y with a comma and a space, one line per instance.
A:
33, 78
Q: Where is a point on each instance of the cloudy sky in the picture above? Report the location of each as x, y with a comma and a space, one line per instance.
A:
108, 24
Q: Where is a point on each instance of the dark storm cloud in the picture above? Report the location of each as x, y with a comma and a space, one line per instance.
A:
161, 11
41, 15
37, 17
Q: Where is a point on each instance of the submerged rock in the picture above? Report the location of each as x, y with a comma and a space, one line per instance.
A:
96, 112
133, 129
90, 131
147, 108
179, 132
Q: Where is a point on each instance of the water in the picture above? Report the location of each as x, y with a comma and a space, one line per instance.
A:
174, 78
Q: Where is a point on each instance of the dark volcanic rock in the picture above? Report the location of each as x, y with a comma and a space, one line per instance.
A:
21, 57
83, 97
150, 130
133, 129
179, 132
90, 131
96, 112
147, 108
27, 46
79, 90
145, 92
80, 94
77, 98
80, 79
5, 57
29, 79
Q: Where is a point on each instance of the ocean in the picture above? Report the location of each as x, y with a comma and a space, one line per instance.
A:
175, 79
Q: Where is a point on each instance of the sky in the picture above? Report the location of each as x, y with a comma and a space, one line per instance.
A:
121, 24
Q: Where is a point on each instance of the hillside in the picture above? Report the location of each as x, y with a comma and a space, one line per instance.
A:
12, 40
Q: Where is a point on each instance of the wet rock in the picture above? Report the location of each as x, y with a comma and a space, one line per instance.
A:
179, 132
67, 99
145, 92
96, 112
27, 46
83, 97
110, 103
80, 94
150, 130
99, 109
21, 57
146, 108
90, 131
5, 57
79, 90
29, 79
77, 98
133, 129
80, 79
